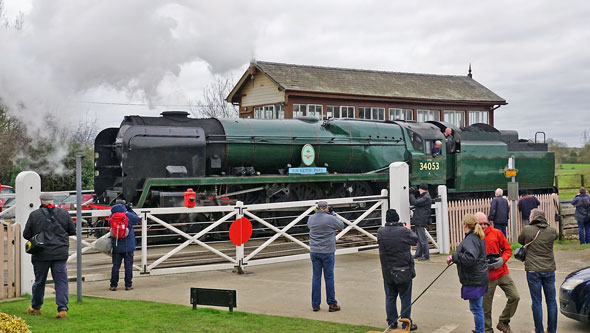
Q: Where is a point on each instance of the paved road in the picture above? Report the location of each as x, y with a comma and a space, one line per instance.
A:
284, 289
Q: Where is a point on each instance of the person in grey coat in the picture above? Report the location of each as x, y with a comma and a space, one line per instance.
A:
582, 204
499, 211
420, 219
323, 226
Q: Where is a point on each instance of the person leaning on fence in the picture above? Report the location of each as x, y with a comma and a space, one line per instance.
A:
56, 225
123, 249
539, 265
582, 215
526, 204
395, 241
499, 211
420, 219
472, 268
498, 252
323, 225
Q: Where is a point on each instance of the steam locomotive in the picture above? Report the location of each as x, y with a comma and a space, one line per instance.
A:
151, 161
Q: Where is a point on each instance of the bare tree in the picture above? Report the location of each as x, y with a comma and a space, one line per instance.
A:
85, 133
213, 102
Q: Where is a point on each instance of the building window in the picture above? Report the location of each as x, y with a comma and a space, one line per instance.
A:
426, 115
456, 118
314, 111
339, 112
258, 112
478, 117
378, 113
269, 112
364, 113
299, 110
280, 111
400, 114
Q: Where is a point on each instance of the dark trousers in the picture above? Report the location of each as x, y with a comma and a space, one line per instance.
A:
322, 262
117, 258
422, 249
59, 272
539, 283
584, 232
404, 291
501, 227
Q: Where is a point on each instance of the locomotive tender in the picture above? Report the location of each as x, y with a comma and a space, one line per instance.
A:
151, 161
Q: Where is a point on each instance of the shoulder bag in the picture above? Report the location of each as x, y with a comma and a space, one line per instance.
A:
38, 241
520, 253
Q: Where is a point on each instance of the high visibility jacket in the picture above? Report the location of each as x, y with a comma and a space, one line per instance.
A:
497, 243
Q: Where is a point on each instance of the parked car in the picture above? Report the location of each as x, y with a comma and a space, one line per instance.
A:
574, 295
4, 189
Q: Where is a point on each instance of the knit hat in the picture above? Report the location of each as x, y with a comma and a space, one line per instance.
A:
322, 204
46, 197
424, 186
391, 216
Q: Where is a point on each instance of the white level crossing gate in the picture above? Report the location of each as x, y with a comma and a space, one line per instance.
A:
180, 239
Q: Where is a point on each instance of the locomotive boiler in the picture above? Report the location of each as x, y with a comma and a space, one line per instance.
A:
151, 161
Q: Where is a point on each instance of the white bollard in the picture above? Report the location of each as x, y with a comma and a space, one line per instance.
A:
28, 189
399, 197
443, 235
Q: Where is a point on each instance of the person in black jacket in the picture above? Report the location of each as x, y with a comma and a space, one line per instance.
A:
421, 218
472, 268
395, 241
57, 226
499, 211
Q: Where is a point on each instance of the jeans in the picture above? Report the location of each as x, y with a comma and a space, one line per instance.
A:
584, 232
404, 291
545, 281
475, 306
322, 262
59, 272
508, 287
501, 227
422, 250
117, 258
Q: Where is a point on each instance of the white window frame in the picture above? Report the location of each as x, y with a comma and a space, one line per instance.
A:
258, 111
364, 111
401, 114
450, 116
299, 110
340, 112
424, 115
315, 110
478, 117
378, 113
280, 111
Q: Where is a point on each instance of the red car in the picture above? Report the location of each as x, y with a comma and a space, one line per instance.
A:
4, 189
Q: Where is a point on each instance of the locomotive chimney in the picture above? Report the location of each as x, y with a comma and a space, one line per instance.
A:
175, 114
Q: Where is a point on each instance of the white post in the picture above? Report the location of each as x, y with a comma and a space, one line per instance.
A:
399, 197
28, 189
240, 249
144, 244
444, 235
384, 206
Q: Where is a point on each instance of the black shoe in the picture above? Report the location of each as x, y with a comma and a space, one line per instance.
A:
129, 288
413, 326
393, 326
113, 288
316, 309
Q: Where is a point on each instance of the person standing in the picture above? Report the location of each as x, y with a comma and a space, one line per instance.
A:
323, 226
472, 268
421, 218
56, 225
582, 204
395, 241
526, 204
539, 265
498, 252
449, 140
123, 249
499, 211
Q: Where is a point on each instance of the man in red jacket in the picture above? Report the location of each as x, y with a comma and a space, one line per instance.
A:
499, 251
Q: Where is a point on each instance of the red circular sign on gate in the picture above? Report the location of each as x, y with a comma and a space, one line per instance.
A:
240, 231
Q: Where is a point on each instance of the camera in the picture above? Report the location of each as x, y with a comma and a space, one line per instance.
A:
330, 210
492, 257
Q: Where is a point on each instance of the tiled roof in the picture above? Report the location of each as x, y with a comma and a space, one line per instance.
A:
377, 83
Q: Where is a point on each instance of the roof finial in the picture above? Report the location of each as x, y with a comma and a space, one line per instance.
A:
469, 73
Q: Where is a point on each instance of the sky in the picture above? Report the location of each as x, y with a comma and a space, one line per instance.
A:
106, 59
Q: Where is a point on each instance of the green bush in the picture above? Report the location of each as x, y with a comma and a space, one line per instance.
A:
13, 324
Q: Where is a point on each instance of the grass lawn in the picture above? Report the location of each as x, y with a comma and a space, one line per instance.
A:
101, 314
569, 177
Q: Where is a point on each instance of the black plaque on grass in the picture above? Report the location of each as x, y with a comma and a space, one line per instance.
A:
215, 297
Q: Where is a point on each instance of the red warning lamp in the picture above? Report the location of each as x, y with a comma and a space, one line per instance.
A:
190, 198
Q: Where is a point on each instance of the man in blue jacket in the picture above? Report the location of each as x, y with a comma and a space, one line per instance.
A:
123, 249
323, 226
499, 211
582, 204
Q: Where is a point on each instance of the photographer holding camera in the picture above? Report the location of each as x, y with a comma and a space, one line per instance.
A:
395, 241
323, 226
498, 252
